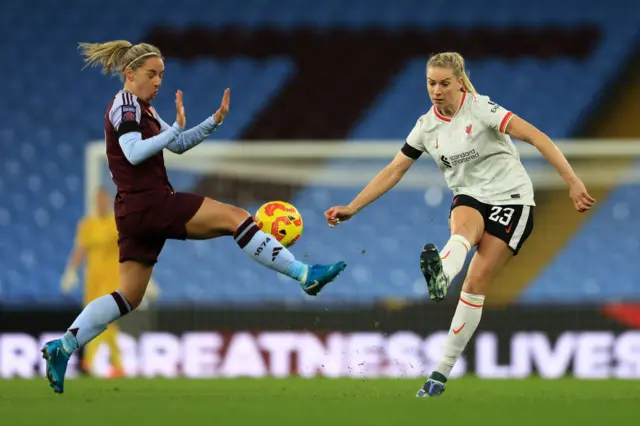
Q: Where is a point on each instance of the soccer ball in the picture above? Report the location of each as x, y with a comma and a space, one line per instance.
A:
280, 219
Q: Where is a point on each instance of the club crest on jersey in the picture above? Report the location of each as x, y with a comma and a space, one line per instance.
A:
128, 113
468, 131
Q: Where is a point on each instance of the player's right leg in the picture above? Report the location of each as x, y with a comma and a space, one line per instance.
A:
440, 268
214, 219
490, 259
96, 316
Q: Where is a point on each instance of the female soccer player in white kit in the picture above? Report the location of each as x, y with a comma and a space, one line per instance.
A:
469, 137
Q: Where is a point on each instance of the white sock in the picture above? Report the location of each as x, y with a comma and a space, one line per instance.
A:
94, 319
464, 324
453, 255
267, 250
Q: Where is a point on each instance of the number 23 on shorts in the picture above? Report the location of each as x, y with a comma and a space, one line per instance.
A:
502, 215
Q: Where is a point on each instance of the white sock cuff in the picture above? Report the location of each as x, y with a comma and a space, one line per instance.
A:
473, 300
459, 238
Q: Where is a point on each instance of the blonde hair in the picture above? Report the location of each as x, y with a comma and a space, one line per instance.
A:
116, 56
455, 62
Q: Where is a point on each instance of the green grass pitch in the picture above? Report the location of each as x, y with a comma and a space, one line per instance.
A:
325, 402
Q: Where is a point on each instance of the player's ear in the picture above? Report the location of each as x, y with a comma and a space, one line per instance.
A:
128, 74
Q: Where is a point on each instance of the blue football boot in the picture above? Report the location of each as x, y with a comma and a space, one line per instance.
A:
434, 386
57, 359
319, 276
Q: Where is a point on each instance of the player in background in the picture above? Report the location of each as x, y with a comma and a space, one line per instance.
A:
147, 210
96, 245
469, 137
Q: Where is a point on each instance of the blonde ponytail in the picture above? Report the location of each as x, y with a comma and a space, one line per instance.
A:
116, 56
455, 62
466, 83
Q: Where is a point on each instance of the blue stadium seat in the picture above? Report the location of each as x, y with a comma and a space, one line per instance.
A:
51, 110
609, 241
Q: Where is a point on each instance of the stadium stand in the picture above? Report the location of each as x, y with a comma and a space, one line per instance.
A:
50, 110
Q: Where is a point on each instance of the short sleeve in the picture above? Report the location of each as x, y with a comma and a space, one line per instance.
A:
413, 146
125, 113
492, 114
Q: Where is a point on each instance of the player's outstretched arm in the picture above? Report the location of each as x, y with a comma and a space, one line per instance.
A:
126, 121
386, 179
526, 132
197, 134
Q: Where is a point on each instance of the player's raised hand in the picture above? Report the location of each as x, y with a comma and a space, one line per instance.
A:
222, 112
338, 214
582, 201
181, 119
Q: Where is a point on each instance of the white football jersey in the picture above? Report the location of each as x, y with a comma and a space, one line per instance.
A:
478, 159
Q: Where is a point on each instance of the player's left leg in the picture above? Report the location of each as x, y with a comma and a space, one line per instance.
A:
490, 259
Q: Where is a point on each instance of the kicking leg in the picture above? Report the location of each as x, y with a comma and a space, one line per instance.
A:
490, 259
95, 318
215, 219
440, 268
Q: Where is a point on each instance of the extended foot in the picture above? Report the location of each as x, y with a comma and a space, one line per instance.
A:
57, 360
431, 266
434, 386
320, 275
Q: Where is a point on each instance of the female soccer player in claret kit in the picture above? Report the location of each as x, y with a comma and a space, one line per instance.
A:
147, 210
469, 137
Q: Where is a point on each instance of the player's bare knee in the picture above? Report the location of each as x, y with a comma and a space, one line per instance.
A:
467, 222
475, 285
215, 219
136, 302
134, 277
226, 220
472, 231
237, 215
133, 296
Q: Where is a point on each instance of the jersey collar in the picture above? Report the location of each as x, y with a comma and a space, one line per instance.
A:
446, 119
140, 100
